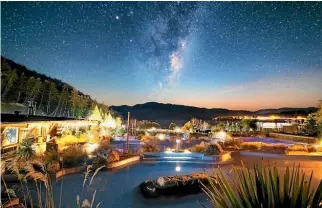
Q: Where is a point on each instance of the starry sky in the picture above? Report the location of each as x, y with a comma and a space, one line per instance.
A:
235, 55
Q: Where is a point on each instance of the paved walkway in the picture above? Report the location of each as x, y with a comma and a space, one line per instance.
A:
306, 165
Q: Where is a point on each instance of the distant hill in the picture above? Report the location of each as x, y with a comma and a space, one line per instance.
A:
166, 113
53, 97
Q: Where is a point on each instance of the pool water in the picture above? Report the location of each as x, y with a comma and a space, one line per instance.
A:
268, 141
119, 188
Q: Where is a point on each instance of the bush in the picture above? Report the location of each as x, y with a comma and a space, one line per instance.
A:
25, 150
262, 187
50, 156
73, 156
70, 140
149, 148
298, 147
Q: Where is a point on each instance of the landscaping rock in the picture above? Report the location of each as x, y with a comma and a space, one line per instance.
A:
174, 185
278, 149
213, 149
298, 147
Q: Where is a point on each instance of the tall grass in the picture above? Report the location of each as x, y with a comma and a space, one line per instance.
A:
263, 188
43, 195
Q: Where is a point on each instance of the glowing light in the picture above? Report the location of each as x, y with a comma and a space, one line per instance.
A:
221, 135
178, 168
90, 147
186, 151
168, 151
109, 121
153, 128
161, 136
178, 141
177, 129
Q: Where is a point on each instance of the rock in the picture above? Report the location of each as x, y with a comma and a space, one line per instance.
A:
280, 149
213, 149
174, 185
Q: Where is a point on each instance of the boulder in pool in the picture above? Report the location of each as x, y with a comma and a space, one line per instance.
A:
174, 185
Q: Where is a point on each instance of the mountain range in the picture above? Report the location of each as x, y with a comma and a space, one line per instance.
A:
166, 113
59, 99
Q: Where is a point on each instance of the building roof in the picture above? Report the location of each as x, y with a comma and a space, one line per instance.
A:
12, 118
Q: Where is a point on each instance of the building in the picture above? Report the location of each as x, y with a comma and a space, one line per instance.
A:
15, 128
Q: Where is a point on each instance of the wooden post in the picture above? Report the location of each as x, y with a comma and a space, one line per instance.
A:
128, 132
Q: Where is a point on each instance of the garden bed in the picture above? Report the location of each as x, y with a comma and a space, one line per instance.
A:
124, 162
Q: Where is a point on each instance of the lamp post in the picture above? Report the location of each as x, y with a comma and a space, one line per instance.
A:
178, 142
127, 135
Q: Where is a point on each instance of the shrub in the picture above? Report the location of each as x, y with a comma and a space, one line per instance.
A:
70, 140
50, 156
262, 187
53, 166
147, 147
25, 150
73, 156
298, 147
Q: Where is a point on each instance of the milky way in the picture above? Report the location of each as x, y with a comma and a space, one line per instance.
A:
214, 54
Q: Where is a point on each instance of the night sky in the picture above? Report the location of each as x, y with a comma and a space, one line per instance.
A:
236, 55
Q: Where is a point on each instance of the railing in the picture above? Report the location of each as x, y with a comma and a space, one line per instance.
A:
160, 145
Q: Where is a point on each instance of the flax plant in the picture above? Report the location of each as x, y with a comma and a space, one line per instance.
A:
262, 187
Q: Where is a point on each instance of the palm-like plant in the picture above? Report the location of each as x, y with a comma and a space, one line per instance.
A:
25, 150
263, 188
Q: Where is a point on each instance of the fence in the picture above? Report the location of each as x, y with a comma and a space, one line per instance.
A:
135, 147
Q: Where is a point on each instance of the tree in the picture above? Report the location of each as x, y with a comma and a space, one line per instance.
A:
220, 126
310, 125
21, 86
172, 126
148, 125
188, 127
52, 96
319, 118
95, 114
248, 124
9, 78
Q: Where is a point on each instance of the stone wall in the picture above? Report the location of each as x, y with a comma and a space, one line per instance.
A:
295, 138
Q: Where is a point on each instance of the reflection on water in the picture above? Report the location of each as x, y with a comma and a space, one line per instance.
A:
119, 188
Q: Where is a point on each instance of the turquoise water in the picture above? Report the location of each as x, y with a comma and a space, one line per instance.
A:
268, 140
119, 188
